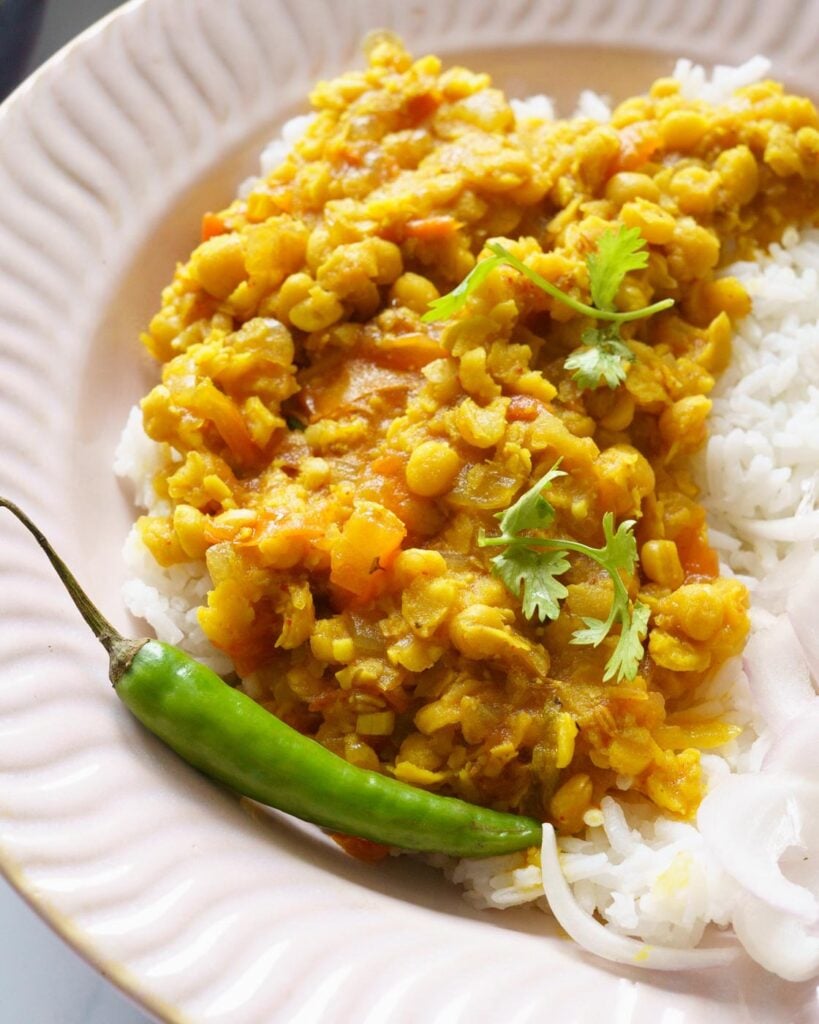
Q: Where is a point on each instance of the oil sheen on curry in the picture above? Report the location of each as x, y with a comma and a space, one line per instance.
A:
339, 460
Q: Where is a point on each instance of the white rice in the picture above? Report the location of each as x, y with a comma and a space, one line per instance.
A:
533, 108
644, 875
138, 460
723, 81
759, 469
166, 598
275, 152
696, 83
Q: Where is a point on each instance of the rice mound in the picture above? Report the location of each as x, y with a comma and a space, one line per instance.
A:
167, 598
759, 470
643, 874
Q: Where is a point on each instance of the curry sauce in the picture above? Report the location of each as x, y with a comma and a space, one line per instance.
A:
334, 458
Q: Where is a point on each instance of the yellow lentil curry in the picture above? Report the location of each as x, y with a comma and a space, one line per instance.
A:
337, 458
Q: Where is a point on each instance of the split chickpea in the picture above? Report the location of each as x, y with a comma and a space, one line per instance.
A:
432, 469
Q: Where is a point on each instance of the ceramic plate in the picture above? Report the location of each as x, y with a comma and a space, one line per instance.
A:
108, 156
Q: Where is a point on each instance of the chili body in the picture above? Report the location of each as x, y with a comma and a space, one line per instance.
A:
231, 738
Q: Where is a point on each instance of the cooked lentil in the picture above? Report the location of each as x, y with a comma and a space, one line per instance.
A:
348, 586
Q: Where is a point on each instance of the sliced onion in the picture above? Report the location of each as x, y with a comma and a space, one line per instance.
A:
747, 822
602, 941
796, 749
803, 610
778, 675
779, 942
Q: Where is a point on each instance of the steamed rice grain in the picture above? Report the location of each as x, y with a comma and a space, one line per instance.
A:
760, 469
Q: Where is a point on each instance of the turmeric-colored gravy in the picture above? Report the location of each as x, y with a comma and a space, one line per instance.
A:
333, 458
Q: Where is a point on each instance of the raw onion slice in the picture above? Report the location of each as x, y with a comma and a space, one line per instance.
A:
779, 942
802, 606
796, 750
777, 671
604, 942
748, 822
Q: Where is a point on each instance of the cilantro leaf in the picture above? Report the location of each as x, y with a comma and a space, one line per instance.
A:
618, 251
620, 549
529, 567
547, 286
453, 302
628, 653
535, 573
595, 632
604, 359
531, 511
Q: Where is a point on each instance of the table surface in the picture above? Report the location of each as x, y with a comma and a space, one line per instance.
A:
42, 980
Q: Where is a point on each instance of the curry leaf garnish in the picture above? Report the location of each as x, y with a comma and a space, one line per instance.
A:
605, 357
530, 565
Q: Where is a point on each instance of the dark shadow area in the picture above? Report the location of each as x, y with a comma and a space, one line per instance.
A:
20, 22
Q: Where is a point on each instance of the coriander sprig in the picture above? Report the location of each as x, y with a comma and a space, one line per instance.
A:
605, 357
530, 566
616, 254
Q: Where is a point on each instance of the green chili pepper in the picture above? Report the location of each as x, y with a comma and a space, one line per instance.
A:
231, 738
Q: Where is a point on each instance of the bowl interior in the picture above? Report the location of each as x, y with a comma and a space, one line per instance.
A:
112, 372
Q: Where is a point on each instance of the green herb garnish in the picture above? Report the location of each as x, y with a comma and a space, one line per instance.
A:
616, 254
530, 566
445, 307
605, 357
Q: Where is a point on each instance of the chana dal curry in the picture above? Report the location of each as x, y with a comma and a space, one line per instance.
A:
399, 500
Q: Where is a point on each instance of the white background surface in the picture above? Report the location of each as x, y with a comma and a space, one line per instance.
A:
42, 981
